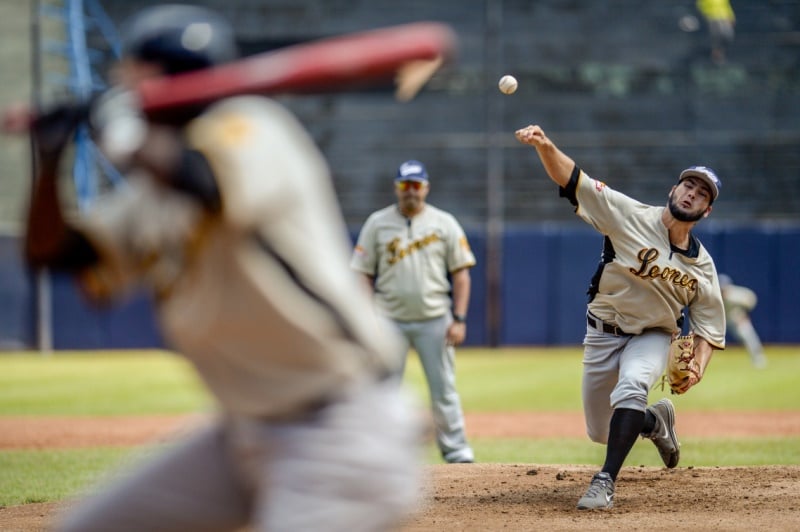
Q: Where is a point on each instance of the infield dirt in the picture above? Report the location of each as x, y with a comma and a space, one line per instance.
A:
513, 497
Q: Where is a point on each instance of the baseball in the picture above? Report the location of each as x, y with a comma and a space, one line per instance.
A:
507, 84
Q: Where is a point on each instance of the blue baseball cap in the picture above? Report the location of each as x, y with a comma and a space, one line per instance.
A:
412, 171
707, 175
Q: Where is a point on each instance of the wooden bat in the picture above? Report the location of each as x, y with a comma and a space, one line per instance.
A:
408, 54
413, 51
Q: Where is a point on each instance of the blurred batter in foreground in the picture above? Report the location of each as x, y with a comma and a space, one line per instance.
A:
229, 217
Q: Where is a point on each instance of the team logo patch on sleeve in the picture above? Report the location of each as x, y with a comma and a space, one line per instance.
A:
234, 129
360, 251
598, 185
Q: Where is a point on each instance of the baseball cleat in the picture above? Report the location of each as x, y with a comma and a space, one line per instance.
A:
600, 495
461, 456
663, 435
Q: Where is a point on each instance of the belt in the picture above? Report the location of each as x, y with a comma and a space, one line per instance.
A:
600, 325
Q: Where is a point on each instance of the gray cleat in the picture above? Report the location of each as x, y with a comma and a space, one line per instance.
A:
663, 435
600, 495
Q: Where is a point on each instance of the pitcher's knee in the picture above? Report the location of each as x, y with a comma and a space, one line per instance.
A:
630, 394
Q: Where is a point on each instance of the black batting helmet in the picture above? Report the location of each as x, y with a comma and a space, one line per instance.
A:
180, 38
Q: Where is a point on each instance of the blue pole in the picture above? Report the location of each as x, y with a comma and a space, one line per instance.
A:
84, 170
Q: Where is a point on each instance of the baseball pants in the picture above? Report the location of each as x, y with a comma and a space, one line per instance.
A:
428, 338
353, 465
618, 372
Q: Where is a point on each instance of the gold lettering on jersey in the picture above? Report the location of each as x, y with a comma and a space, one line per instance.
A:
648, 270
396, 253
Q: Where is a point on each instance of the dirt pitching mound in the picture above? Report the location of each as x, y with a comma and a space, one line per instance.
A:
516, 497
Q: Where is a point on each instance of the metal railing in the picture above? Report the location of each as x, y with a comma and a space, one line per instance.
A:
65, 65
81, 22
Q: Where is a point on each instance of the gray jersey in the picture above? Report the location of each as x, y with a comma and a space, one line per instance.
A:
410, 259
240, 293
645, 283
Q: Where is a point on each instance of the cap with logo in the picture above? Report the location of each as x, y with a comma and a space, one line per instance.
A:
412, 171
707, 175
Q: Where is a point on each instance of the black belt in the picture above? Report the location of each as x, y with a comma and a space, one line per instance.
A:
600, 325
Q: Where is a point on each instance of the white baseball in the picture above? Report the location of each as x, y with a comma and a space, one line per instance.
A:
507, 84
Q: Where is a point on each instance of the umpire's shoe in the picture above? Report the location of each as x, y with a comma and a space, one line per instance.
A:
663, 434
600, 494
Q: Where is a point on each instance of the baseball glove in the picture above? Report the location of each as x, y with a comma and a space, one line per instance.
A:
681, 363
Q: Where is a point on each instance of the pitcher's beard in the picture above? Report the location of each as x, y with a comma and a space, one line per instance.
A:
681, 215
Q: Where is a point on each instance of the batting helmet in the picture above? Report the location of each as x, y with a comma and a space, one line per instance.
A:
180, 38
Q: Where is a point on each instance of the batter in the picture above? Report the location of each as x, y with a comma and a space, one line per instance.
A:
229, 218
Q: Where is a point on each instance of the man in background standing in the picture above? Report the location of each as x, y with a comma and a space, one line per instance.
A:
406, 252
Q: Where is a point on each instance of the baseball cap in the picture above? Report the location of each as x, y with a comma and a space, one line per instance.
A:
412, 171
707, 175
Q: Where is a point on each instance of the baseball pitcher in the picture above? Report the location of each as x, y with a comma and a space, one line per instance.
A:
652, 267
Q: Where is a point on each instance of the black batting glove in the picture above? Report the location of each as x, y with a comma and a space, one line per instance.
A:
54, 128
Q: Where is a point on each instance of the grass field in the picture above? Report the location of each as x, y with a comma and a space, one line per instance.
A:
501, 380
489, 380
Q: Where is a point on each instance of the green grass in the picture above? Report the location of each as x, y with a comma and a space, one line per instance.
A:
550, 380
705, 452
89, 384
501, 380
157, 382
44, 476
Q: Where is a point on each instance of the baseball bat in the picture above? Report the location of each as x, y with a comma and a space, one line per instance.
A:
409, 53
324, 65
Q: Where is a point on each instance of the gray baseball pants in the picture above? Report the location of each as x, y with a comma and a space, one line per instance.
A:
354, 465
618, 372
428, 338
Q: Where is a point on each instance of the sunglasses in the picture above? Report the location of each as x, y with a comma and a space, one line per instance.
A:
402, 186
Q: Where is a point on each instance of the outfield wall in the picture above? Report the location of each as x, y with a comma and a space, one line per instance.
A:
545, 272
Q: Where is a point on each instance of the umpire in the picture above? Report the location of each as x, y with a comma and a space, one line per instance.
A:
406, 252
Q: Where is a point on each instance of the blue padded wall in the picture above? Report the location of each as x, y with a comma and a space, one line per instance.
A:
477, 332
78, 324
17, 316
545, 273
786, 316
525, 311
